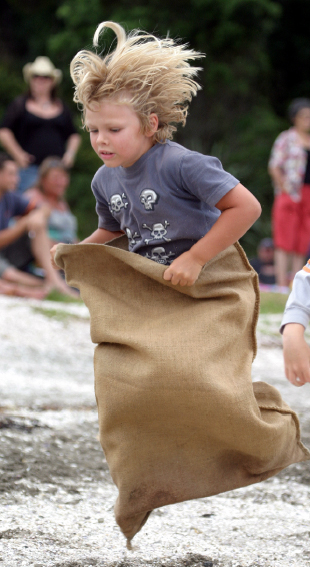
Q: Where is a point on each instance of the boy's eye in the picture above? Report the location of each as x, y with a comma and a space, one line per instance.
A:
92, 131
114, 129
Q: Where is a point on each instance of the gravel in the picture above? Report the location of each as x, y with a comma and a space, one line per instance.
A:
56, 494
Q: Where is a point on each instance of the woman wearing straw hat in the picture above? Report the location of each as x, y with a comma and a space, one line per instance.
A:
38, 124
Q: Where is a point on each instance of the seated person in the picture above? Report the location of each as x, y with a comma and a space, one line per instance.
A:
50, 190
263, 264
13, 285
24, 241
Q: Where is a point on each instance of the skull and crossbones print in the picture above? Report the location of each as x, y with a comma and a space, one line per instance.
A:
160, 255
158, 232
117, 202
133, 237
148, 198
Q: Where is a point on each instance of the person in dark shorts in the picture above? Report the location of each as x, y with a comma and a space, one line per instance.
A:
24, 241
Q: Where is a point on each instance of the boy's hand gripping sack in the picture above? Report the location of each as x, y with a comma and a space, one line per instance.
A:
179, 415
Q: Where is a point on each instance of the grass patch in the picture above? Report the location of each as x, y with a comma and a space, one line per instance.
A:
269, 302
56, 295
57, 314
272, 302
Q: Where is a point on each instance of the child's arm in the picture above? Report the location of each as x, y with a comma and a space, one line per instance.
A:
296, 317
296, 354
240, 209
100, 236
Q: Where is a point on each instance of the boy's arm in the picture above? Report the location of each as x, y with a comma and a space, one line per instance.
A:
100, 236
240, 209
296, 317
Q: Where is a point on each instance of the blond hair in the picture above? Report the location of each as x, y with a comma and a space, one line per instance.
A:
152, 75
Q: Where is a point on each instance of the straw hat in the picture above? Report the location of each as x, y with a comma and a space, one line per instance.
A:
44, 67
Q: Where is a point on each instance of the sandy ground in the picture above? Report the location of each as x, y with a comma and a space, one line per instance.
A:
56, 495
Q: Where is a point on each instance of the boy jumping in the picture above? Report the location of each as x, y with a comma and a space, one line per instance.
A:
176, 206
174, 305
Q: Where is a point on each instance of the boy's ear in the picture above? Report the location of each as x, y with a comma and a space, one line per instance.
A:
153, 125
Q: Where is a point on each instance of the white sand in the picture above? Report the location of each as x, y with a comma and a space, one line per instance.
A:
65, 519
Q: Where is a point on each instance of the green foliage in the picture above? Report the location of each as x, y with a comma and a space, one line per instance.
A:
245, 152
256, 59
79, 194
11, 85
289, 53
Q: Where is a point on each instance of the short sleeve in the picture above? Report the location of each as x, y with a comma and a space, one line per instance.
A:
19, 205
204, 177
13, 113
69, 127
105, 217
279, 151
12, 205
297, 309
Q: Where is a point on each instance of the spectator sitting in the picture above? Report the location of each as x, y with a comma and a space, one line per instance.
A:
264, 262
50, 190
24, 241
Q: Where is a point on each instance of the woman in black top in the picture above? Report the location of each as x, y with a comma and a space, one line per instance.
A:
38, 124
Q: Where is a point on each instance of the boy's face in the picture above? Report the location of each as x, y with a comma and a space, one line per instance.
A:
115, 134
8, 176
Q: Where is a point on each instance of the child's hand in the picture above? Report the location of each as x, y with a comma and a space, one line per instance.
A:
52, 253
184, 270
296, 354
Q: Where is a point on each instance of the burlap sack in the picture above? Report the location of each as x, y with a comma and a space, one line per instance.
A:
179, 416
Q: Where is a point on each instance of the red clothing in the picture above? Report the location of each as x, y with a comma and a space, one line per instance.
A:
291, 222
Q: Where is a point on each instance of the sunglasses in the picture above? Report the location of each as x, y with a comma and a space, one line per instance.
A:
42, 77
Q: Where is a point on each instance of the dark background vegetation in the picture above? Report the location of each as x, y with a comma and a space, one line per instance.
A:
257, 60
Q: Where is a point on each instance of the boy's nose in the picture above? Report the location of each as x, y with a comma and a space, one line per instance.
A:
102, 138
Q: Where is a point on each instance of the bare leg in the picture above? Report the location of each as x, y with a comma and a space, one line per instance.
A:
298, 262
17, 276
281, 258
20, 290
41, 245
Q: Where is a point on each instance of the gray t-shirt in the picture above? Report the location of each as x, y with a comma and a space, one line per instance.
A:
164, 202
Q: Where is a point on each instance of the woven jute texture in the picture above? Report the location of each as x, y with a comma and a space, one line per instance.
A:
179, 415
